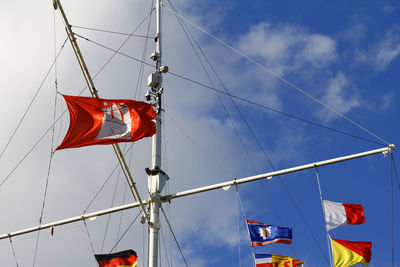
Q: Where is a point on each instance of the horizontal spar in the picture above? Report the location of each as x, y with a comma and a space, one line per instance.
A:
71, 220
200, 190
276, 173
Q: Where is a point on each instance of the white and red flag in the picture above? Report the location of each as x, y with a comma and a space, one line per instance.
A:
339, 214
96, 121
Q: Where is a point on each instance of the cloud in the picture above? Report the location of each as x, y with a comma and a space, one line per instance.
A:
382, 53
387, 50
285, 48
340, 95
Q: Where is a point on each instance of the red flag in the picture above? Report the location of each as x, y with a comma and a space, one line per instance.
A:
127, 258
96, 121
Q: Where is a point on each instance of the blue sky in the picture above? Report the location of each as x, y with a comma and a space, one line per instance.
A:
346, 54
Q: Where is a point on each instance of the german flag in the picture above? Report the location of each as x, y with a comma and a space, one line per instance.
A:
127, 258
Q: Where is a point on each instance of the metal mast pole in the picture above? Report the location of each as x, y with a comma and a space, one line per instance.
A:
156, 177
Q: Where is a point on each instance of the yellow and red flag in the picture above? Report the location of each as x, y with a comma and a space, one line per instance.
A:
96, 121
347, 253
127, 258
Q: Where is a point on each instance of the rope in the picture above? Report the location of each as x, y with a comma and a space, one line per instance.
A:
33, 99
13, 251
114, 32
323, 211
280, 78
173, 234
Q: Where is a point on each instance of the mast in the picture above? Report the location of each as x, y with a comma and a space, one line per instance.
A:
156, 177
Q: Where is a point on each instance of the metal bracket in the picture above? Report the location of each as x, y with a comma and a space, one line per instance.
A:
156, 171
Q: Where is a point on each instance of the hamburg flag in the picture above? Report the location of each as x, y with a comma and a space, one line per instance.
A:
348, 253
272, 260
262, 234
96, 121
127, 258
339, 214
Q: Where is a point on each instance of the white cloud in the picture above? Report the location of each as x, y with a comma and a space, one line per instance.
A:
340, 95
285, 48
382, 53
387, 50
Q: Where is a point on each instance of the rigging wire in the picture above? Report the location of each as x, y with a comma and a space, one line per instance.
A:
212, 83
127, 229
111, 49
166, 168
395, 170
228, 93
90, 239
165, 247
121, 213
52, 139
186, 31
323, 211
244, 217
113, 32
112, 204
173, 234
280, 78
238, 97
13, 251
238, 225
212, 159
392, 204
105, 182
124, 197
141, 71
33, 99
275, 110
45, 133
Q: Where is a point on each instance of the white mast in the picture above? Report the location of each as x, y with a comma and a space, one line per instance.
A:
156, 177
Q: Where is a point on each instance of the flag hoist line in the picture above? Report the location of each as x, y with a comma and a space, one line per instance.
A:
168, 198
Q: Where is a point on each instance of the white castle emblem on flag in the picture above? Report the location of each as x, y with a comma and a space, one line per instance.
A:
117, 122
264, 232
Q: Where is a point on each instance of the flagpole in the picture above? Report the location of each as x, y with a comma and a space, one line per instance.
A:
93, 91
326, 226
